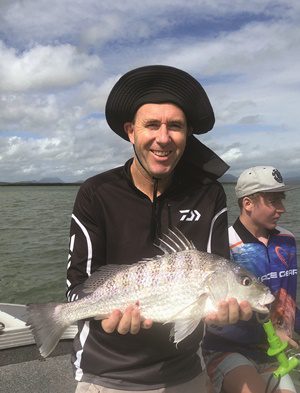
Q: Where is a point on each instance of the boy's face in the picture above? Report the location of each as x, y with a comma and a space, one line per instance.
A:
267, 209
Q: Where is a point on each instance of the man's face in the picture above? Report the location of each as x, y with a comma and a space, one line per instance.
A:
159, 133
267, 209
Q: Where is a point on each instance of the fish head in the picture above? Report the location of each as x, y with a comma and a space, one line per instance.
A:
230, 280
243, 285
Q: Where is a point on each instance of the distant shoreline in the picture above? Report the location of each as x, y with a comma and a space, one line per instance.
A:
34, 184
65, 184
39, 184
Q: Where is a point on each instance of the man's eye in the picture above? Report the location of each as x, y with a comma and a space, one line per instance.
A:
273, 202
153, 126
175, 127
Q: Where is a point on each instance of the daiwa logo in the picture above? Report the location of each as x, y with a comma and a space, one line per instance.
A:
189, 215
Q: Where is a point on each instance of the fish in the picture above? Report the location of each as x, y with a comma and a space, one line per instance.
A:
181, 287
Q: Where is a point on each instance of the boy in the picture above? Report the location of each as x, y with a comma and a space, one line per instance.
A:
268, 251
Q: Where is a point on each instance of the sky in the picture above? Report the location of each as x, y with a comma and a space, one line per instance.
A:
59, 60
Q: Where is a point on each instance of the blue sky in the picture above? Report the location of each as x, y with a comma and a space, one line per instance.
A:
59, 60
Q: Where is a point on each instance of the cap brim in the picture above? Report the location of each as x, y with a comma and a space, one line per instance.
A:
282, 189
244, 193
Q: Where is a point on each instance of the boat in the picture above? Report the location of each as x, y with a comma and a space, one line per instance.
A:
22, 369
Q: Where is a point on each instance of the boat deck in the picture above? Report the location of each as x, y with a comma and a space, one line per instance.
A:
22, 370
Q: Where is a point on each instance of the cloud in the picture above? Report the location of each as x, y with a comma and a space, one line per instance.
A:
232, 154
73, 154
44, 67
59, 61
23, 112
28, 22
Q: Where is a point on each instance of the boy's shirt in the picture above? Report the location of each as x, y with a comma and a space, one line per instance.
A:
275, 265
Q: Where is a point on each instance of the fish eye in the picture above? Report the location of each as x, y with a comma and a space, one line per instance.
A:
246, 281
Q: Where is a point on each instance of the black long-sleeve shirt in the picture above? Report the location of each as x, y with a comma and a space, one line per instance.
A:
112, 222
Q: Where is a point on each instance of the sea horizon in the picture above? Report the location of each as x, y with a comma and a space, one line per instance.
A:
34, 238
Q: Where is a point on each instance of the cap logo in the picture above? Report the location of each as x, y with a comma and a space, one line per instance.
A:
277, 175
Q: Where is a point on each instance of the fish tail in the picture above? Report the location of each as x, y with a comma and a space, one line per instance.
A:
46, 325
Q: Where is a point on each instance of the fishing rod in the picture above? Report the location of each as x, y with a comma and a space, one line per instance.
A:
277, 349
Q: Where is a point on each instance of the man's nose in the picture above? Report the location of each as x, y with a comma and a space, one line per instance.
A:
163, 135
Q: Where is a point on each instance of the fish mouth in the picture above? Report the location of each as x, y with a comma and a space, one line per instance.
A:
263, 306
261, 309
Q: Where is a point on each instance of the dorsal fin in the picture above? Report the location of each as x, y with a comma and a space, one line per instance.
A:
174, 241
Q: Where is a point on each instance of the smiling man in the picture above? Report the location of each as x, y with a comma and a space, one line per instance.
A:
118, 215
159, 133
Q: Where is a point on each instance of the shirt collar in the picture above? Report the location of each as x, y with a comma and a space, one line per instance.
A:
246, 235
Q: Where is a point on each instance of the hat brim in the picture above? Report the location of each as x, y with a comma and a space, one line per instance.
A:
277, 189
158, 84
282, 189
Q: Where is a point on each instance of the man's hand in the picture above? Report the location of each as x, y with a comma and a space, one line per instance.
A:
230, 312
129, 322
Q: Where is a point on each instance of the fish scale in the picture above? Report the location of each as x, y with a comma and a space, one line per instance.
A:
181, 287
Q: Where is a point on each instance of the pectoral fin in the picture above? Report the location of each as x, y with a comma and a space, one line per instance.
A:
183, 328
188, 319
216, 293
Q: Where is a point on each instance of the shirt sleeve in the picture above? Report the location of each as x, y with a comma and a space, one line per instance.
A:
87, 241
218, 239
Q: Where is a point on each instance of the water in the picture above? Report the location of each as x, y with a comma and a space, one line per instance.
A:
34, 238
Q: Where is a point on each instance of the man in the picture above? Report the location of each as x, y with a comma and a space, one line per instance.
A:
171, 181
241, 364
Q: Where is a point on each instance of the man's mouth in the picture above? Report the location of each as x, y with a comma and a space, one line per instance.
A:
160, 153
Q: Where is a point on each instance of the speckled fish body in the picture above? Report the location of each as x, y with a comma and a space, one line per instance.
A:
182, 286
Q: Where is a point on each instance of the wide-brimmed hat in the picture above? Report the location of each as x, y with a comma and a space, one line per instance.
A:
260, 179
158, 84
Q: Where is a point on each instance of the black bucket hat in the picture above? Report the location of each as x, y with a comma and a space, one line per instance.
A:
158, 84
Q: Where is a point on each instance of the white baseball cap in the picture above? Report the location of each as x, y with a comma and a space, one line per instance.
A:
260, 179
